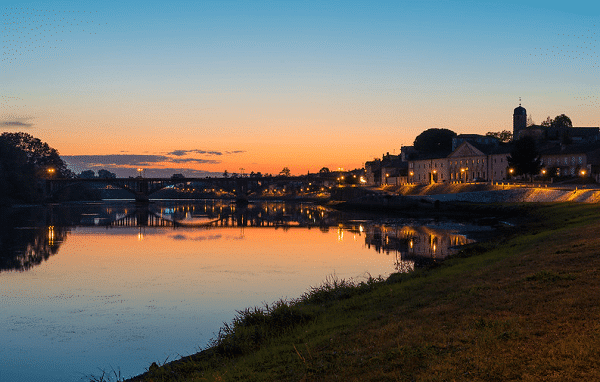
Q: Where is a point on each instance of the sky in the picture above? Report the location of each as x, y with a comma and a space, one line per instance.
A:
200, 87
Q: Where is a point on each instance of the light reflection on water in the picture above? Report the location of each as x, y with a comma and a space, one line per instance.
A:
114, 286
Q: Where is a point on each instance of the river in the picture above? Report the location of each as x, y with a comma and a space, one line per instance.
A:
110, 287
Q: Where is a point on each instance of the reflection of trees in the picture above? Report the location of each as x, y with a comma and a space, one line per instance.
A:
23, 248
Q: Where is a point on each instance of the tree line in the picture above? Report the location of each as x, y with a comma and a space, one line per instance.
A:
24, 161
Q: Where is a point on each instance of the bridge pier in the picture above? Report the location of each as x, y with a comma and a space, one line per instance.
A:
141, 198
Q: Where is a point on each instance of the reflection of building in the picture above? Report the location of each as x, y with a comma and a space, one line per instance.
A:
414, 243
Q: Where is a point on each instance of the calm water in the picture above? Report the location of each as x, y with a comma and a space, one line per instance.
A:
109, 286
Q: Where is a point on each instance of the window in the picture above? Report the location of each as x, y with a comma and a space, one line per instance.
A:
580, 160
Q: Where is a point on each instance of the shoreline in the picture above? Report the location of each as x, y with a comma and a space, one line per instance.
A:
514, 293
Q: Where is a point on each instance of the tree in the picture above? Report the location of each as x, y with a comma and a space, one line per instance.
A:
285, 172
503, 136
23, 161
547, 122
434, 140
225, 174
39, 154
105, 174
87, 174
524, 157
561, 121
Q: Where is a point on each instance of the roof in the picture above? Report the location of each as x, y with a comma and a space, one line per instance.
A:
571, 149
520, 110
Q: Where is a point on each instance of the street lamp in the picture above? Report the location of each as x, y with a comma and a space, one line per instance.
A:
51, 172
139, 170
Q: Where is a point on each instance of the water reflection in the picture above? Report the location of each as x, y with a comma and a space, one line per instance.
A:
218, 213
145, 283
413, 246
29, 236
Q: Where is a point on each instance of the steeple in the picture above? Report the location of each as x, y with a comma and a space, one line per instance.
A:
519, 120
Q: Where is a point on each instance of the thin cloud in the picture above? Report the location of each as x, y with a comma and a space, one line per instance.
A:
178, 153
196, 160
15, 124
115, 159
181, 153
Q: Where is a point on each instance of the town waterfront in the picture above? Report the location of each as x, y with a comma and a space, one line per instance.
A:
95, 287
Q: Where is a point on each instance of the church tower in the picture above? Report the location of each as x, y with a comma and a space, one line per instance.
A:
519, 120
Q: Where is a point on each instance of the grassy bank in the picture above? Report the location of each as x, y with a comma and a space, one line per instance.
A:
523, 307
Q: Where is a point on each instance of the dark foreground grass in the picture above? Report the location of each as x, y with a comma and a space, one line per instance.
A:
525, 306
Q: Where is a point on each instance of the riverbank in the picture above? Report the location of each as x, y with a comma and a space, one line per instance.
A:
524, 306
500, 192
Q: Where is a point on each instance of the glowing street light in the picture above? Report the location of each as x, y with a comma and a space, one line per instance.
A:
139, 170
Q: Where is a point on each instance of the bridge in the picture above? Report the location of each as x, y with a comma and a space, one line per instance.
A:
143, 188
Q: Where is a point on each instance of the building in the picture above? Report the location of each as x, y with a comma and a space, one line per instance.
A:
467, 163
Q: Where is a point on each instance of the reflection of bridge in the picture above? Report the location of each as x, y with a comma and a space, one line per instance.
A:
142, 188
213, 213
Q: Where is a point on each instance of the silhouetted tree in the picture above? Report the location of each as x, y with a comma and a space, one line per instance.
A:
547, 122
285, 172
105, 174
503, 136
39, 154
561, 121
524, 157
434, 140
87, 174
23, 161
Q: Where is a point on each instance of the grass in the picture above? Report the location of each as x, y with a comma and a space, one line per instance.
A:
525, 306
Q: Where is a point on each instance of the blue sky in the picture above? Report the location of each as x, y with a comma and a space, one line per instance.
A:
304, 84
